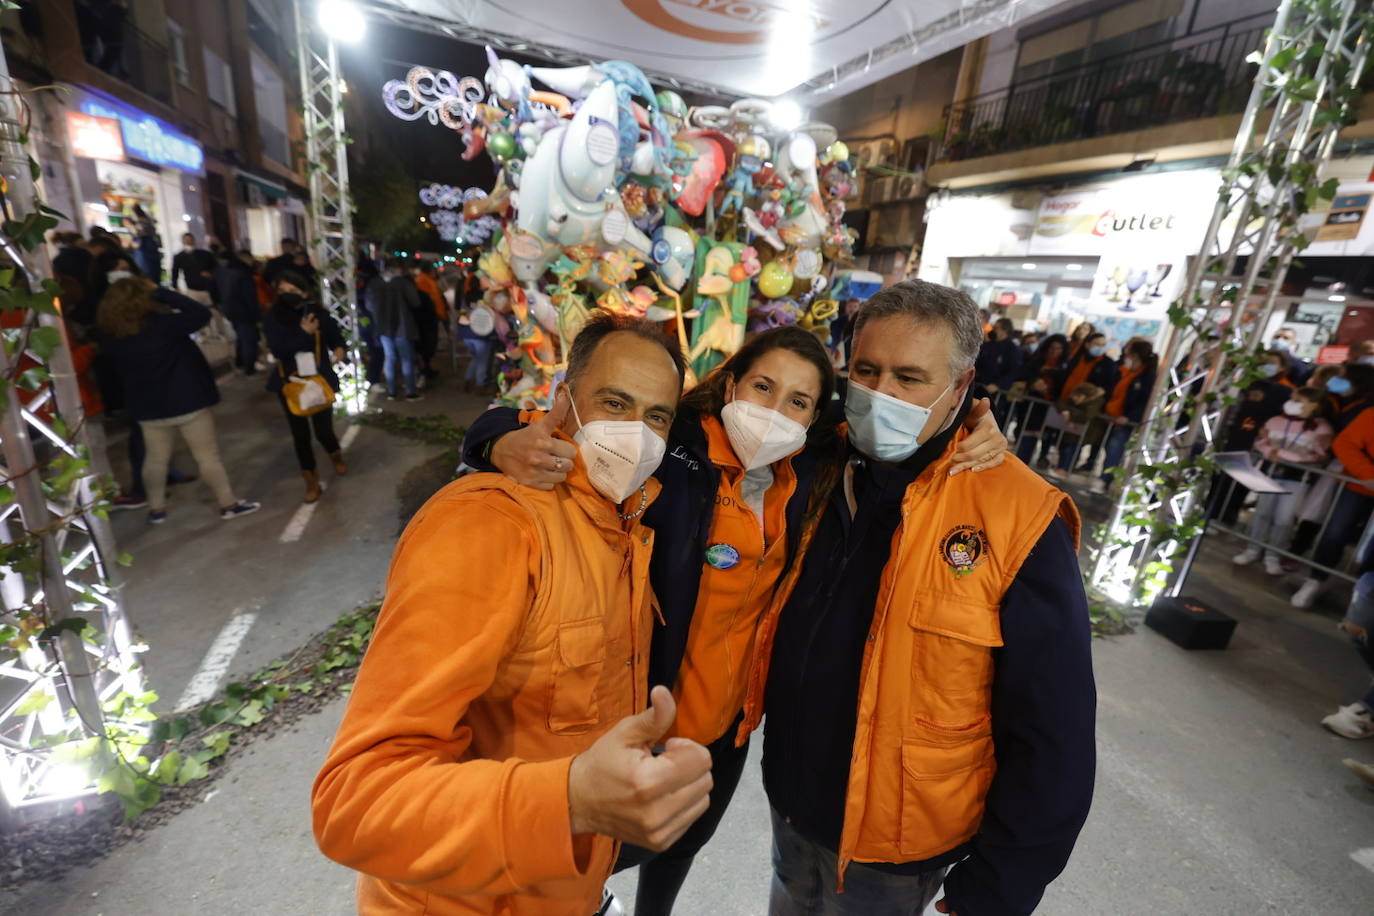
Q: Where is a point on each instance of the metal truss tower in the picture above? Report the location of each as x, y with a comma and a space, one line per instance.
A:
47, 685
331, 205
1315, 52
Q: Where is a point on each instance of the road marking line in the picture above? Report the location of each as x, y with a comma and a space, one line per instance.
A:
296, 527
349, 435
1364, 857
216, 661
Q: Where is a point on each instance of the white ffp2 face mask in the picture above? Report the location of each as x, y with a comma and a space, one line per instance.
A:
760, 435
884, 427
619, 454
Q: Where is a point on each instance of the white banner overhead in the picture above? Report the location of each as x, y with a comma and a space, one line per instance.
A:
815, 49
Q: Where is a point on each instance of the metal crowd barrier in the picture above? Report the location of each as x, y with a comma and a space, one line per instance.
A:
1041, 442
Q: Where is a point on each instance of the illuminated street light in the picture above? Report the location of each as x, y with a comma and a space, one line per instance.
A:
342, 21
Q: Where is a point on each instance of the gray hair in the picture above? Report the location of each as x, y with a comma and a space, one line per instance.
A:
926, 302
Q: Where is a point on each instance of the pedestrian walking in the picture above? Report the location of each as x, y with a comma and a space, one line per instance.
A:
193, 271
397, 329
168, 387
306, 342
427, 320
238, 298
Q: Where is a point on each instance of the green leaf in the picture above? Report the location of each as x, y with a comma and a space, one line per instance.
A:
166, 769
218, 742
126, 559
118, 779
191, 770
44, 341
36, 701
250, 714
66, 624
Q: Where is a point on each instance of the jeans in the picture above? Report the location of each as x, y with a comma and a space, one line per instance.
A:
805, 875
1348, 519
321, 423
1115, 449
479, 367
402, 350
198, 429
1274, 514
661, 874
246, 346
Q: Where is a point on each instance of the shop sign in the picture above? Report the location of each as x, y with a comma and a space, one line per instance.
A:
1006, 298
94, 137
149, 138
1344, 218
1332, 356
1156, 211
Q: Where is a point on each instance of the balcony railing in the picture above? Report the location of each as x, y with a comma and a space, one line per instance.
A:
115, 45
1197, 75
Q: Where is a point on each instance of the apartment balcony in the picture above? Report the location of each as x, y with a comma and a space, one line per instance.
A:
1199, 75
121, 50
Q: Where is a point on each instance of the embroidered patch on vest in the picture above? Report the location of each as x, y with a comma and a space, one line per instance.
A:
722, 556
964, 549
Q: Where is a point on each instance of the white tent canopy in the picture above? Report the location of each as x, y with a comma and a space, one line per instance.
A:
812, 49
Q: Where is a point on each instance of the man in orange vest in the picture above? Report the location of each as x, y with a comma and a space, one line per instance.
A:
497, 747
930, 701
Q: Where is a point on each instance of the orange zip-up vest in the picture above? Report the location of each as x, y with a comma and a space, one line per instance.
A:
515, 633
743, 563
923, 756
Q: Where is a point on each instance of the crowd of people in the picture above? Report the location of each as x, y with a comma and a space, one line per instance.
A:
137, 346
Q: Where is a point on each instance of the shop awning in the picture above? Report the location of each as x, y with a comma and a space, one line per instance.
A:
813, 49
270, 189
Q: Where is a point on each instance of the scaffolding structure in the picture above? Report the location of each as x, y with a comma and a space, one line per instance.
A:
50, 686
1315, 52
331, 205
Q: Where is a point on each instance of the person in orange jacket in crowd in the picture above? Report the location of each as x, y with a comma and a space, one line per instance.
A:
929, 688
730, 521
497, 746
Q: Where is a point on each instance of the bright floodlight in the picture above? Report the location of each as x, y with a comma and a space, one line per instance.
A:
785, 114
342, 21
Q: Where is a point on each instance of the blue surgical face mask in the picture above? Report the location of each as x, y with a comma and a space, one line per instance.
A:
1339, 386
1096, 352
1269, 370
1279, 343
884, 427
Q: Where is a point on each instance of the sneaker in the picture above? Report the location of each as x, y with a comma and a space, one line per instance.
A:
390, 396
157, 518
1246, 556
1305, 595
415, 397
1363, 770
1353, 721
125, 502
1272, 566
238, 509
1099, 487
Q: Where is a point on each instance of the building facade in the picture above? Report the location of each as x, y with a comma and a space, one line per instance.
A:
178, 113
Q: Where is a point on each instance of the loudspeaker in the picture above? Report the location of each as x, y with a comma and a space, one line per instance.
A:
1190, 623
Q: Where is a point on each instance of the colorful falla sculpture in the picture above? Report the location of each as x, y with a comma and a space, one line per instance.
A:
611, 194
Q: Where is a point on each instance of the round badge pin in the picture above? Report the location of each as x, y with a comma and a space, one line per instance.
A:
722, 556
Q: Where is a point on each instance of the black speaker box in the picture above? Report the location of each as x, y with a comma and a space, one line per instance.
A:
1190, 623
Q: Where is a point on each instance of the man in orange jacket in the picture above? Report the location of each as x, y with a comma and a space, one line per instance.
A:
497, 746
930, 694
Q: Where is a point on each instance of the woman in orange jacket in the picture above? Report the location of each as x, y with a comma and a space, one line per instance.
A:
743, 451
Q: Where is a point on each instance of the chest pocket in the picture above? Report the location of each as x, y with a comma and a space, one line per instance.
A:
952, 637
579, 656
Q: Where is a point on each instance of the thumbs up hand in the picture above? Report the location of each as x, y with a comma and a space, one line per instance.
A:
619, 788
533, 456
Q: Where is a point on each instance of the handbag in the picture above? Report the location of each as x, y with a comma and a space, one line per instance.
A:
309, 395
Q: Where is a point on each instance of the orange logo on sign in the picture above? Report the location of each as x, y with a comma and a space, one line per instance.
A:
753, 20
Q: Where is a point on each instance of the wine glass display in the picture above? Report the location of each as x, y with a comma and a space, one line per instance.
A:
1157, 277
1135, 279
1117, 279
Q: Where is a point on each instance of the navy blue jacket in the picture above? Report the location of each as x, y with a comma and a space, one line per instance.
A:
285, 339
1043, 700
1104, 375
999, 363
163, 371
1137, 396
680, 518
236, 292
